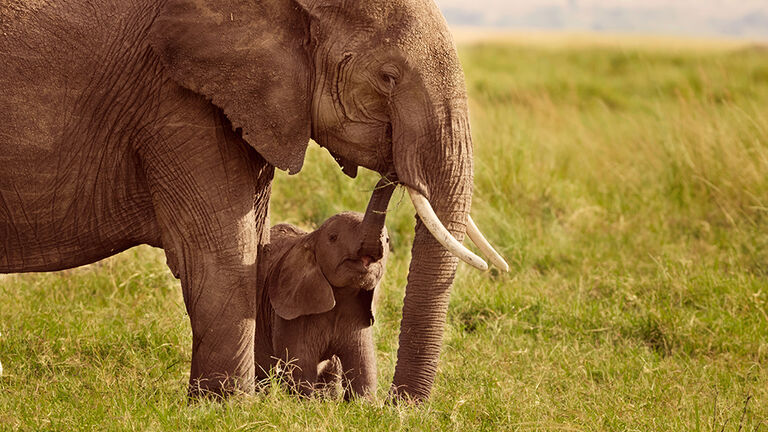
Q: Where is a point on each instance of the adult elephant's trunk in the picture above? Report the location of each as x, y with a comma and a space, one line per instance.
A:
371, 247
441, 172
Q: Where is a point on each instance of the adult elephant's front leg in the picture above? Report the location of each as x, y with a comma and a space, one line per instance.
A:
211, 194
216, 293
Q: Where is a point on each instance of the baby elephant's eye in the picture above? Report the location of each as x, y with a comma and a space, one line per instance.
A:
333, 237
387, 239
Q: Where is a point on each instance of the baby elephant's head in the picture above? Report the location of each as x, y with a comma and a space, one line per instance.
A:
338, 244
335, 264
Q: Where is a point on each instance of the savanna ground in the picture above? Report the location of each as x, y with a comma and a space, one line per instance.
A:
626, 183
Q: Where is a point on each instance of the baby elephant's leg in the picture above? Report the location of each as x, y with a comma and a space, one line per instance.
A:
303, 375
358, 361
299, 357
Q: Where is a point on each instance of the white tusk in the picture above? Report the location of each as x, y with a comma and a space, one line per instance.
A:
479, 240
441, 234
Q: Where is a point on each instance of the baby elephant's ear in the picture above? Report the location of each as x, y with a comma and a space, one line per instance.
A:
297, 286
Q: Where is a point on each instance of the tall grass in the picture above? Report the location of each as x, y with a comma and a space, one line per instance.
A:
627, 186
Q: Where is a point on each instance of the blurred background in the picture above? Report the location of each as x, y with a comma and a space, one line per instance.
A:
733, 18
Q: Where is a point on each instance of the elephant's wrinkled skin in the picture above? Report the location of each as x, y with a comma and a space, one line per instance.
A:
318, 303
161, 121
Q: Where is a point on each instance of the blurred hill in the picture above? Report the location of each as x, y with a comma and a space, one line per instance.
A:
741, 18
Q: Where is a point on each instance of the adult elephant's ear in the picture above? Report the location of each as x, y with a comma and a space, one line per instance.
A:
249, 59
297, 286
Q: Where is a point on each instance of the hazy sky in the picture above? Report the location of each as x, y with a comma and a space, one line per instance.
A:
735, 17
706, 6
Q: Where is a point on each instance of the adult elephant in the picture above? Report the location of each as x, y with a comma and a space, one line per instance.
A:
160, 122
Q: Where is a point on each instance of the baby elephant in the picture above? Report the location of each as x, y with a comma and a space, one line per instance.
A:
319, 295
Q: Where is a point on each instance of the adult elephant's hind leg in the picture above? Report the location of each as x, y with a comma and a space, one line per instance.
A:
211, 193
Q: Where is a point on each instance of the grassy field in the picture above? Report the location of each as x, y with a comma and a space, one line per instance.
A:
627, 185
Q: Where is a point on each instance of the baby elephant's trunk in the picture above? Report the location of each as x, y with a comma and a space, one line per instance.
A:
373, 237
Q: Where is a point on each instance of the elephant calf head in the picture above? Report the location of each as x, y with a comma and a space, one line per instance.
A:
321, 288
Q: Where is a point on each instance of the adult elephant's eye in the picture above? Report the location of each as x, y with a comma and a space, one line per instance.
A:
333, 237
390, 75
388, 80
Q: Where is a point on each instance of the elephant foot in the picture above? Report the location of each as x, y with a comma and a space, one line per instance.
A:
329, 374
216, 388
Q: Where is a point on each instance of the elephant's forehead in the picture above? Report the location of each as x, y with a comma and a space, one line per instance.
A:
418, 29
345, 219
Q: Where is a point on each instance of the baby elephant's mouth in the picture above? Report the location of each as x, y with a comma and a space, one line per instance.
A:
363, 264
358, 272
366, 260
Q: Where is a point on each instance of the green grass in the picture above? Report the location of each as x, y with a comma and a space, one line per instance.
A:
627, 187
